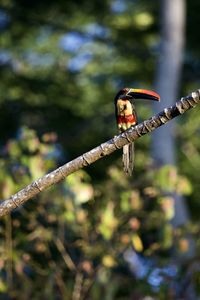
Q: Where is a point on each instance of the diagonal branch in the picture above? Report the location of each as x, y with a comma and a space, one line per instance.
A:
97, 153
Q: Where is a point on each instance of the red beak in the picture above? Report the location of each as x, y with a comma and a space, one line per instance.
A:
143, 94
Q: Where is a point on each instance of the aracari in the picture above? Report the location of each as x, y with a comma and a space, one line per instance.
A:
126, 117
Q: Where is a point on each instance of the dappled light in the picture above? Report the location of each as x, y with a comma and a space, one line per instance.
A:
99, 234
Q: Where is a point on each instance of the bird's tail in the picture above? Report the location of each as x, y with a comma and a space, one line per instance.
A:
128, 158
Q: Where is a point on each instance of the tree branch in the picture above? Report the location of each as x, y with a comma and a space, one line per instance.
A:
97, 153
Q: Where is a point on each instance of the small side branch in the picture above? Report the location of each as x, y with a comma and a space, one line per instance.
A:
99, 152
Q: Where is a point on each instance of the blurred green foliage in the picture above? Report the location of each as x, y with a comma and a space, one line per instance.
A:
78, 234
98, 234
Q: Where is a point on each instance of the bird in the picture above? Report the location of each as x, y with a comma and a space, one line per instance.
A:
126, 117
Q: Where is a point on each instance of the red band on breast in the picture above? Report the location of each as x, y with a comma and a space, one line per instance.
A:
126, 119
130, 119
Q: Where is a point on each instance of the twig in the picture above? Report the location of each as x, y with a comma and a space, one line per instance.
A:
77, 286
66, 257
99, 152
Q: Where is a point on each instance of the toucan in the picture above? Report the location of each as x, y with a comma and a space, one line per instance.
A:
126, 117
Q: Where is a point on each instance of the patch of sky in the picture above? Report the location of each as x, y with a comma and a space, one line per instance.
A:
170, 270
137, 264
157, 277
141, 267
4, 19
78, 62
4, 57
118, 6
97, 30
36, 59
73, 41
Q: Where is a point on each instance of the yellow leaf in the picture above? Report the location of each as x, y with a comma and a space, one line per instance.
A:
137, 242
143, 20
108, 261
108, 222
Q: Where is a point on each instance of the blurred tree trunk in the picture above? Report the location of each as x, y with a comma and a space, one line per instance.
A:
167, 85
168, 75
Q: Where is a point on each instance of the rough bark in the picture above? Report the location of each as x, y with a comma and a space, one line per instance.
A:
99, 152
